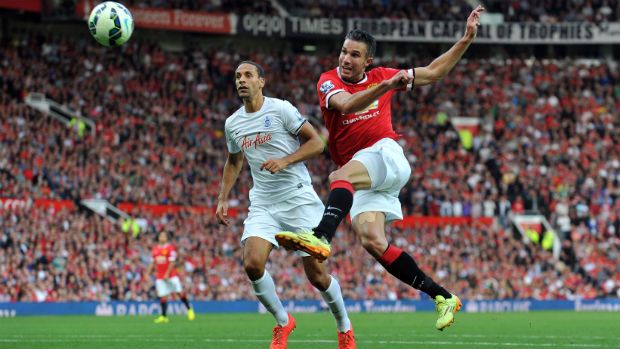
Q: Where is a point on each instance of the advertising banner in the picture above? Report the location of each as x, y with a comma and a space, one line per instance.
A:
14, 309
500, 33
276, 26
155, 18
405, 30
22, 5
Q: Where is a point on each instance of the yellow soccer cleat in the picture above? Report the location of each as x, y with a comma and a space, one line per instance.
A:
190, 314
161, 320
446, 308
305, 241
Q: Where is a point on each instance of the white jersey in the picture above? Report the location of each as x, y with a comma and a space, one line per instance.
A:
270, 133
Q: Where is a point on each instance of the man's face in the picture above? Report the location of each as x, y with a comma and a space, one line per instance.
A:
247, 81
353, 60
163, 238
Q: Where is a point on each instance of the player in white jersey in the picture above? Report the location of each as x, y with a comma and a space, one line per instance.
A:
266, 131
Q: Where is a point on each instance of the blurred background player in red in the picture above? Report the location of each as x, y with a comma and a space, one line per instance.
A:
167, 280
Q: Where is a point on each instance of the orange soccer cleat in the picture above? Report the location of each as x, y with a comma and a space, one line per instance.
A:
346, 340
281, 333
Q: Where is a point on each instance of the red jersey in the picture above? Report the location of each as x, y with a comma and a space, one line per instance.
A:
353, 132
163, 255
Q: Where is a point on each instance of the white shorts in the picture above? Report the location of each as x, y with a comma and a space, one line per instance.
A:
166, 287
302, 212
389, 171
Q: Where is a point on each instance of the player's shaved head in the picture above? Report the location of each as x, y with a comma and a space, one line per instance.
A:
259, 69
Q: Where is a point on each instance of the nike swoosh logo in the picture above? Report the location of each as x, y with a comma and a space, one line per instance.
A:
333, 208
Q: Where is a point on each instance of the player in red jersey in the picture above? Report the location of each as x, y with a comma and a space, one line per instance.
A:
373, 168
167, 280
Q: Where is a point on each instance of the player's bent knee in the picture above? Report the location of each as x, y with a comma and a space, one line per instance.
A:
375, 243
337, 176
319, 280
254, 268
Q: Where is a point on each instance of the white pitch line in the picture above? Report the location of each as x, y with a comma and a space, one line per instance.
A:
546, 345
363, 342
317, 335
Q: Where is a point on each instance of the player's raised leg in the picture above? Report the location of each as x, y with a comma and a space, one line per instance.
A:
370, 228
332, 295
255, 253
343, 183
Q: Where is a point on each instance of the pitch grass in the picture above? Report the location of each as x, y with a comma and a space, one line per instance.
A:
239, 331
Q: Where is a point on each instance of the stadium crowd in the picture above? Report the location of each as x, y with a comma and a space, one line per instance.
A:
70, 256
547, 11
547, 142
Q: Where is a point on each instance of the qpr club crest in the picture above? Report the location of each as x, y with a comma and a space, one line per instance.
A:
267, 121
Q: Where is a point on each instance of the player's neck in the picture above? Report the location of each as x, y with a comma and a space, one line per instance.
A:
252, 105
354, 80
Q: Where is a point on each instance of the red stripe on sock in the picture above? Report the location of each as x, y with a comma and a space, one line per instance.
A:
390, 255
342, 184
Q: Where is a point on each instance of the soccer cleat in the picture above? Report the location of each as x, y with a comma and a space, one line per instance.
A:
190, 314
305, 241
346, 340
161, 320
281, 333
446, 308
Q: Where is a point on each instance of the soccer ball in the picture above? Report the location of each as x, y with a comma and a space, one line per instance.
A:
110, 23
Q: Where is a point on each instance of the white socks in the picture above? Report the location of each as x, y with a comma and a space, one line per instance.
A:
265, 291
333, 298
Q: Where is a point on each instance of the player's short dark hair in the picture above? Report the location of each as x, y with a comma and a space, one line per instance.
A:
168, 233
365, 37
259, 69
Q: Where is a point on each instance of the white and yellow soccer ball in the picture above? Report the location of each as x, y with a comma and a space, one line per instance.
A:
110, 23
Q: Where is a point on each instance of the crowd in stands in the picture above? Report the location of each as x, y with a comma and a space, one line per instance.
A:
543, 11
548, 142
421, 10
546, 11
554, 11
70, 256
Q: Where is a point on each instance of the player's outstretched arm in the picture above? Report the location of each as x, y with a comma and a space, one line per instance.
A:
232, 168
442, 65
348, 103
313, 146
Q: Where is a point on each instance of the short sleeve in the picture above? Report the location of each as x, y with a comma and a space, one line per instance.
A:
327, 87
291, 118
233, 147
172, 256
